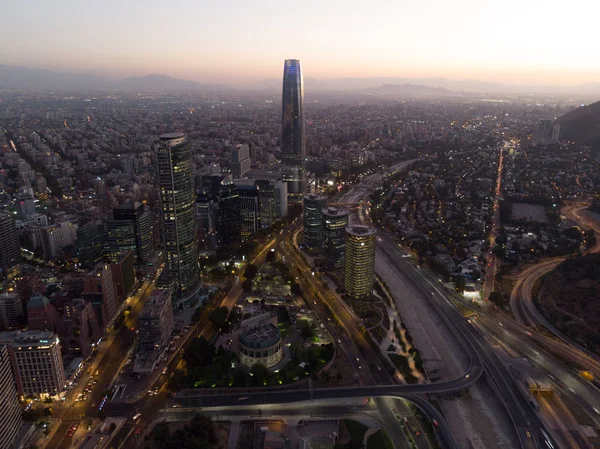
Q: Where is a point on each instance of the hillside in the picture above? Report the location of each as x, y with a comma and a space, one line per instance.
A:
582, 125
570, 299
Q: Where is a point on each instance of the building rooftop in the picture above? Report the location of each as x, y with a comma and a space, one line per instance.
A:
335, 212
37, 300
155, 304
28, 338
313, 197
261, 336
171, 136
361, 231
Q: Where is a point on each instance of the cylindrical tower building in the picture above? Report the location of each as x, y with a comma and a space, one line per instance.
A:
335, 222
359, 265
313, 220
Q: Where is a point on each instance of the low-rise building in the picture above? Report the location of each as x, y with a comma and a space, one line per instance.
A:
260, 344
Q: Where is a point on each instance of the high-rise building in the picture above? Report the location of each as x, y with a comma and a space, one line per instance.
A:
36, 362
178, 204
123, 274
266, 194
41, 315
335, 222
293, 145
90, 243
156, 322
99, 289
546, 132
10, 412
131, 229
240, 161
10, 250
80, 330
228, 219
12, 315
359, 262
313, 220
249, 213
281, 203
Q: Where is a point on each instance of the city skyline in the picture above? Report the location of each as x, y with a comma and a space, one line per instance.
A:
516, 44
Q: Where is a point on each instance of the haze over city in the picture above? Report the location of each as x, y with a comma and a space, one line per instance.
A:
240, 42
291, 225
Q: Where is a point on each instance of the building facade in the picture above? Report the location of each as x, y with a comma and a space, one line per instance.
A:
12, 315
79, 331
178, 206
99, 289
335, 222
10, 412
359, 265
313, 220
36, 362
240, 161
260, 344
10, 250
293, 141
156, 322
250, 212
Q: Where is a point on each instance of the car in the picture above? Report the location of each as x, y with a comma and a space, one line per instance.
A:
435, 423
405, 419
136, 416
417, 433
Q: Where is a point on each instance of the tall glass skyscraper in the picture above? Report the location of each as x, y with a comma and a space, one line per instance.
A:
335, 222
313, 220
359, 265
293, 144
178, 207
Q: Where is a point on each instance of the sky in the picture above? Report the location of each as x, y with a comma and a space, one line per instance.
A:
529, 42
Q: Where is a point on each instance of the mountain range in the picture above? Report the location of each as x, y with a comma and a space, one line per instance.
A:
581, 125
13, 77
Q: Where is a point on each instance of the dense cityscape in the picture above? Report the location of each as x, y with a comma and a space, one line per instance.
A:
201, 266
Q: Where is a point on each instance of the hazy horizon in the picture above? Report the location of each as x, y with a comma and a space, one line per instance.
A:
517, 44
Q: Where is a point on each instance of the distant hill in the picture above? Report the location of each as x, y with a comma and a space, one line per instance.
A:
582, 125
160, 83
408, 89
570, 299
12, 77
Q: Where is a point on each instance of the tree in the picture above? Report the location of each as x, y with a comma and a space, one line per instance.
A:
296, 289
460, 284
47, 411
247, 285
251, 271
112, 427
259, 374
271, 256
499, 251
219, 316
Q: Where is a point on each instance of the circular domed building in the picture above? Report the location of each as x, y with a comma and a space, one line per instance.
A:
261, 344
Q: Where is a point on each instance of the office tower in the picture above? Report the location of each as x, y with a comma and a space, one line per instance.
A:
156, 322
293, 146
99, 289
178, 205
359, 265
229, 220
206, 213
249, 213
90, 243
36, 361
130, 229
240, 161
41, 315
313, 220
268, 208
335, 222
544, 132
10, 411
123, 274
10, 250
25, 206
80, 330
555, 132
281, 203
12, 315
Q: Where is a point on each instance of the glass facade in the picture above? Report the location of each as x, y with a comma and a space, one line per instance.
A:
178, 207
313, 220
293, 145
360, 261
335, 222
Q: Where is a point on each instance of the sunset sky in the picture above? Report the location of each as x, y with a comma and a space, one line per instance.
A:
240, 41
